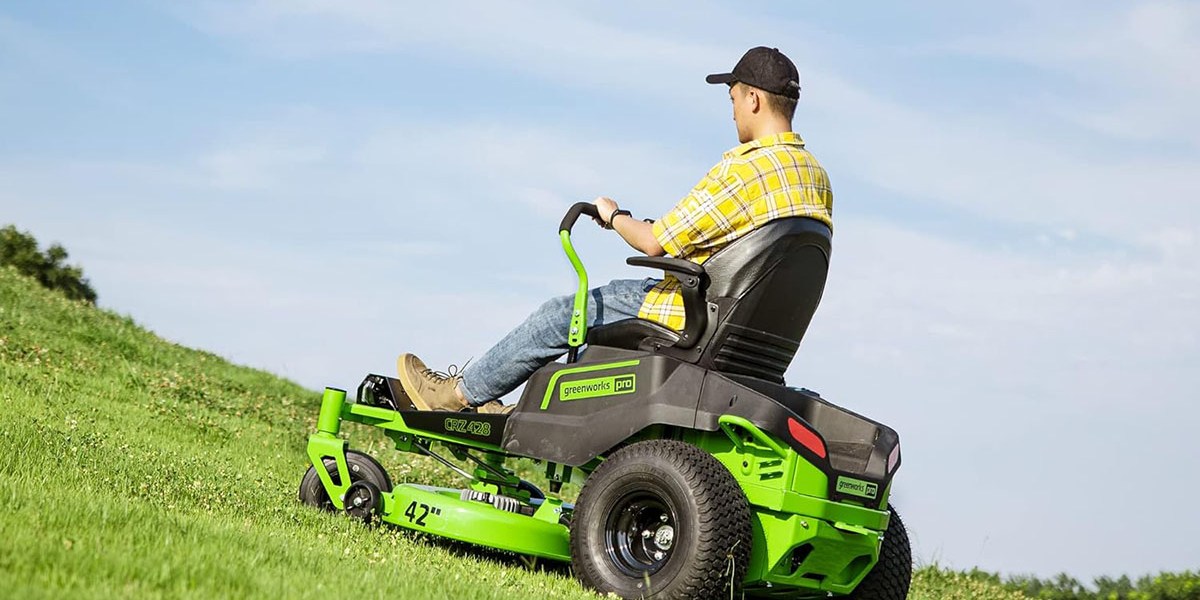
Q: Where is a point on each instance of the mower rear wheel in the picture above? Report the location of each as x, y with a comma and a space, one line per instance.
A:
892, 575
661, 519
362, 468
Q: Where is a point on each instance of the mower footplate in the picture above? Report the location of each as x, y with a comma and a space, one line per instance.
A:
470, 427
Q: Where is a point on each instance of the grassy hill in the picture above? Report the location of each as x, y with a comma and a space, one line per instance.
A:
135, 467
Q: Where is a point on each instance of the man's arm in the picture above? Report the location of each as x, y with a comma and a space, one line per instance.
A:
637, 234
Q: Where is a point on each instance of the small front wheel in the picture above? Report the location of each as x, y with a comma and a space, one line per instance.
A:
661, 519
362, 468
364, 502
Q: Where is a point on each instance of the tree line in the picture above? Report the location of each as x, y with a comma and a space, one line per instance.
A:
19, 249
1163, 586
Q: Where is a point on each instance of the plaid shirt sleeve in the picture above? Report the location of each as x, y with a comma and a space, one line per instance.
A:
707, 213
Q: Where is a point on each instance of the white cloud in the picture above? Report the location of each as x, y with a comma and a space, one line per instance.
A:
548, 39
35, 56
257, 165
1001, 169
1136, 61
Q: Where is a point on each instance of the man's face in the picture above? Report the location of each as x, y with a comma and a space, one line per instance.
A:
743, 109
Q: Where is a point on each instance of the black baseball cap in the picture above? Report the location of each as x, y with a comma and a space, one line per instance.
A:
766, 69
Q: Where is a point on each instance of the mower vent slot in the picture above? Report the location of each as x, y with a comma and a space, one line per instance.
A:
770, 469
799, 555
755, 353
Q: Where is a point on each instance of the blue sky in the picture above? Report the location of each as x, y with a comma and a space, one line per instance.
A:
312, 187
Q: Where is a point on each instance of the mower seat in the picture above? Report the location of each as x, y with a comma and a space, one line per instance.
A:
748, 305
630, 333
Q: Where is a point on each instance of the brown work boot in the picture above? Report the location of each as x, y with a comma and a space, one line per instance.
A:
495, 407
429, 389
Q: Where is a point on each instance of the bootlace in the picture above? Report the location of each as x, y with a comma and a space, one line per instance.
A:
453, 372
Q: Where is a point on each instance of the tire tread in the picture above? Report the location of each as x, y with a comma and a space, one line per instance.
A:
892, 575
723, 534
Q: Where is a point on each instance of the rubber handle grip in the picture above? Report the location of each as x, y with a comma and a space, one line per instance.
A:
579, 208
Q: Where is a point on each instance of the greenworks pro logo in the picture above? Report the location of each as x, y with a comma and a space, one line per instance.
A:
594, 388
854, 487
480, 428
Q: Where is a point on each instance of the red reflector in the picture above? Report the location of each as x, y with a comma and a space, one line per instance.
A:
893, 458
806, 437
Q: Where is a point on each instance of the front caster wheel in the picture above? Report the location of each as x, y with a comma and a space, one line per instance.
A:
661, 519
364, 502
362, 468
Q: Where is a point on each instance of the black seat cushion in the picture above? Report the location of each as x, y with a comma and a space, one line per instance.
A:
629, 334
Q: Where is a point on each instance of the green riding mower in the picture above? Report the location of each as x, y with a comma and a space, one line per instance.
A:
703, 474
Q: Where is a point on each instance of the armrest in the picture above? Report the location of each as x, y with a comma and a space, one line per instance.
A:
667, 264
692, 278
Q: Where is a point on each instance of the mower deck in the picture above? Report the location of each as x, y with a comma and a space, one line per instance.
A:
442, 511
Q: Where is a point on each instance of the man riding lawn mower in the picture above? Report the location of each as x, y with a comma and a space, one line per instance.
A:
703, 473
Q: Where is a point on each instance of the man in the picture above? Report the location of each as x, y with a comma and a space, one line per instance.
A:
769, 176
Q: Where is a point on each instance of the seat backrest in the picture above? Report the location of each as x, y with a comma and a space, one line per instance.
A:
766, 286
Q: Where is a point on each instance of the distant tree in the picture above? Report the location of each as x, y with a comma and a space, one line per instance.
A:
1169, 586
20, 250
1164, 586
1108, 588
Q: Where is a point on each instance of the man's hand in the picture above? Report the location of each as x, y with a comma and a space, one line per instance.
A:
606, 207
638, 234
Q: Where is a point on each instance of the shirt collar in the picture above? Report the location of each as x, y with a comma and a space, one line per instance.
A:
790, 138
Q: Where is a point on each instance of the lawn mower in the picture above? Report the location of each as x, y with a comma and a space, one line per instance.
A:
703, 474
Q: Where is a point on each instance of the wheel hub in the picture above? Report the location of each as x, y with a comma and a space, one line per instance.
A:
640, 533
664, 537
363, 501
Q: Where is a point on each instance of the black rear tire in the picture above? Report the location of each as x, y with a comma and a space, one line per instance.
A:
661, 519
892, 575
362, 468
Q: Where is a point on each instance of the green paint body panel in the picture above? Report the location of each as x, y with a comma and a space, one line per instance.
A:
787, 495
321, 446
578, 331
329, 420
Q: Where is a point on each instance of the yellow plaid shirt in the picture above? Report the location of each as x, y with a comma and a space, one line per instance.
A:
768, 178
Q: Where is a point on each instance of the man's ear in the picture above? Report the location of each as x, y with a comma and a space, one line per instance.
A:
754, 99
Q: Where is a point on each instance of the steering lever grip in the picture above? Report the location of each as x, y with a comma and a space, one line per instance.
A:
579, 208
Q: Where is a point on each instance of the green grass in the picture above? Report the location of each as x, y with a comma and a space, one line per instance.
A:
134, 467
935, 583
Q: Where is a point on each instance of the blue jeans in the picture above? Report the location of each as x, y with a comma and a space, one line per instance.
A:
542, 338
